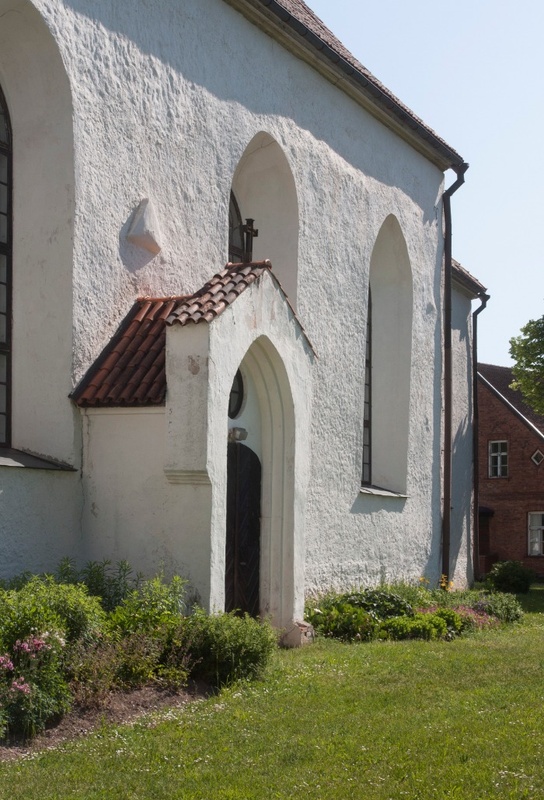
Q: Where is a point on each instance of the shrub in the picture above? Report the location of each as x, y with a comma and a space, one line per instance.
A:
42, 603
21, 615
473, 620
379, 602
92, 670
112, 583
339, 619
226, 647
154, 606
503, 606
417, 595
36, 623
454, 597
354, 616
420, 626
453, 620
510, 576
32, 686
138, 657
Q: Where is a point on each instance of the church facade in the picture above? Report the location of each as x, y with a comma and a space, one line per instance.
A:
223, 256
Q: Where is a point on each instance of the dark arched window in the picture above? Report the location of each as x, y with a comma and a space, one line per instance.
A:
5, 274
236, 240
236, 397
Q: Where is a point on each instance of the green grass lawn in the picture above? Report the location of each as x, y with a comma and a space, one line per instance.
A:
380, 720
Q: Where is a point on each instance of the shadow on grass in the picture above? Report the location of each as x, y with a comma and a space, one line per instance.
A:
533, 602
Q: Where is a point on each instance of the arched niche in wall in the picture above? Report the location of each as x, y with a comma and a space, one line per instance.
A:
38, 96
391, 357
264, 188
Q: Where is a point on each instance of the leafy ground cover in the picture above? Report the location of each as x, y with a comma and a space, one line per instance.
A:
380, 720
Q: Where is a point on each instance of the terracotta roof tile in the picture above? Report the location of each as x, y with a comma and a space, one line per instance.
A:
130, 371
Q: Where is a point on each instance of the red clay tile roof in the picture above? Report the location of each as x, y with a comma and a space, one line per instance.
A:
499, 380
216, 295
295, 15
130, 371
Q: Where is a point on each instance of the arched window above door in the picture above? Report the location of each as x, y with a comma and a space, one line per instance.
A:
5, 273
236, 241
265, 189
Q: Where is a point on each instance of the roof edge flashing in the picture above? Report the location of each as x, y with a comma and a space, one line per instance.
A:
276, 21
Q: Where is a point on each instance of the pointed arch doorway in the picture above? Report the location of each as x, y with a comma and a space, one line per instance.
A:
263, 565
243, 546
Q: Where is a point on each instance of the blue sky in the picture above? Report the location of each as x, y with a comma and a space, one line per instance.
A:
474, 71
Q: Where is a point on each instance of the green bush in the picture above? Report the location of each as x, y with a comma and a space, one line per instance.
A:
453, 620
32, 685
21, 615
339, 619
420, 626
138, 656
57, 644
510, 576
36, 624
501, 605
112, 583
154, 606
81, 616
92, 670
417, 595
354, 616
381, 603
226, 647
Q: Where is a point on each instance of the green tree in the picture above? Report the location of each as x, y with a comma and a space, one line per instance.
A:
527, 350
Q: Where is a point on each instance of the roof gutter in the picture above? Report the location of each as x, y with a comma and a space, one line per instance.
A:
475, 436
448, 372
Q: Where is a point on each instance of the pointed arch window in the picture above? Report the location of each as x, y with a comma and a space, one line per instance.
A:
236, 241
5, 273
386, 417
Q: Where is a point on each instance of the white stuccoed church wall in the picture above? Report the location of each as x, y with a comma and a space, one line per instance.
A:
462, 556
166, 97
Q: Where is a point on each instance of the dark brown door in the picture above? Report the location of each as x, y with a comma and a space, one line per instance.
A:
243, 553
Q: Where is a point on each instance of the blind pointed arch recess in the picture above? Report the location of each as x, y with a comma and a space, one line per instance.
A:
5, 273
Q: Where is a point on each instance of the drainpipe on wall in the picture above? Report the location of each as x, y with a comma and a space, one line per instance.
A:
475, 435
446, 516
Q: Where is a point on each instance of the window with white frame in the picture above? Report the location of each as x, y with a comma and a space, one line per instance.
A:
536, 533
498, 459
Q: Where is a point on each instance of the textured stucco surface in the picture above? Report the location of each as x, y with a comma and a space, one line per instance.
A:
155, 102
462, 556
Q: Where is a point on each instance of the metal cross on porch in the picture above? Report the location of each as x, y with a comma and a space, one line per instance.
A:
250, 233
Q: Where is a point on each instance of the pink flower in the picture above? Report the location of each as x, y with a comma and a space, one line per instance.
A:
20, 685
6, 663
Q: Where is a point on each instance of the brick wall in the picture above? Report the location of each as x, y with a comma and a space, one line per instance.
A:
511, 498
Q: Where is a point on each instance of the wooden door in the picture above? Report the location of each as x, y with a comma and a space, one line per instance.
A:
243, 553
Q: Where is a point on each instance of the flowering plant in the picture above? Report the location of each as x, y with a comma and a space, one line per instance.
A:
31, 685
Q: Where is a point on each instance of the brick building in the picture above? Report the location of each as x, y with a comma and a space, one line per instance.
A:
511, 470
